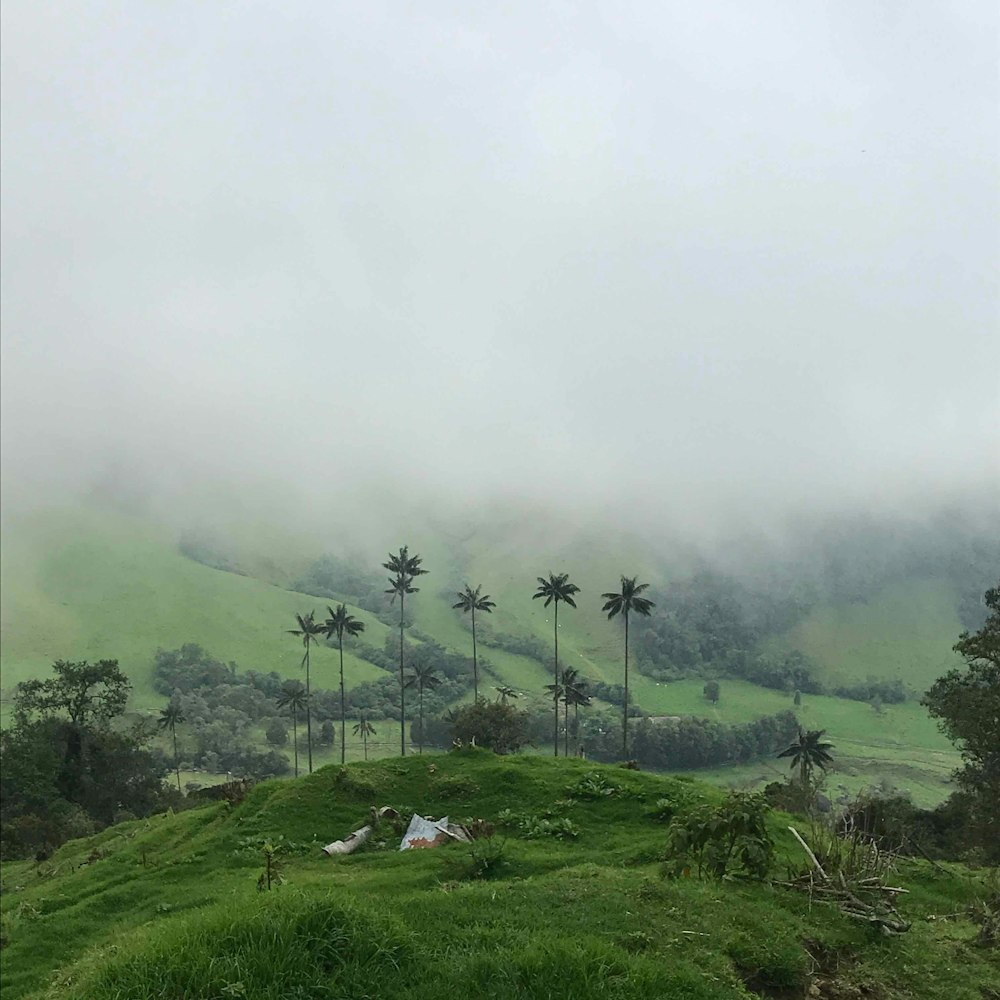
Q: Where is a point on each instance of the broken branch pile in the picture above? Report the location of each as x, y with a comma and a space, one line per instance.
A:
868, 899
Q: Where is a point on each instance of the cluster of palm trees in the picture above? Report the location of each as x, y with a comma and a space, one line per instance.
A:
567, 687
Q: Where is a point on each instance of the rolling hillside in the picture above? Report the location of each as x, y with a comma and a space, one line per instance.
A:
169, 907
88, 583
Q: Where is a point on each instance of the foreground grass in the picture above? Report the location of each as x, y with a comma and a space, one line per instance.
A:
168, 907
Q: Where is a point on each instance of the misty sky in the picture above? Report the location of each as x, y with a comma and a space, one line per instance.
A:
707, 254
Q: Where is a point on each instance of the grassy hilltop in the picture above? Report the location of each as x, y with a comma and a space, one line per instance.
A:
168, 907
84, 582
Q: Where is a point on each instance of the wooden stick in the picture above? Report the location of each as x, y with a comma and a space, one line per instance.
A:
812, 857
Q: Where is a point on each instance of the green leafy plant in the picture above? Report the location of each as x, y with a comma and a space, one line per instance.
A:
594, 785
272, 874
731, 838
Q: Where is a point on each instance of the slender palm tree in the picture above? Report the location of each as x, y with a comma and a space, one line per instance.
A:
170, 718
364, 729
504, 692
403, 569
575, 694
310, 630
422, 676
556, 692
807, 752
470, 600
623, 604
555, 589
339, 623
293, 697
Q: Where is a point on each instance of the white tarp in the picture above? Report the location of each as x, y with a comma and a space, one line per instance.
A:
423, 833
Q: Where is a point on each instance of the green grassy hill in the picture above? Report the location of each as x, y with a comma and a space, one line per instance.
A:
83, 582
168, 907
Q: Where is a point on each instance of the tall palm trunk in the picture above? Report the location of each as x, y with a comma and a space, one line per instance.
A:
420, 698
555, 728
576, 725
309, 731
402, 685
625, 706
177, 762
565, 723
364, 739
295, 739
475, 662
343, 703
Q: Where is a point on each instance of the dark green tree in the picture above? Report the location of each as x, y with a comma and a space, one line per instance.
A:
422, 675
490, 724
327, 734
403, 570
170, 718
364, 729
557, 588
966, 703
711, 691
309, 631
276, 734
808, 751
624, 603
293, 697
340, 623
470, 601
85, 692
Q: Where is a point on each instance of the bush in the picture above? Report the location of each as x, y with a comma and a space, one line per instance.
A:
720, 840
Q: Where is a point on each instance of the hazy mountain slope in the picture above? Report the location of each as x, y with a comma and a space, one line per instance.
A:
83, 584
905, 632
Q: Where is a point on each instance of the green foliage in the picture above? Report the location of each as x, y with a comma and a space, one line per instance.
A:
593, 785
730, 838
89, 694
711, 691
534, 827
967, 705
485, 859
64, 777
495, 726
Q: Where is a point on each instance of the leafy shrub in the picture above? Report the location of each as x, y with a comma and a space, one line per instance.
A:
728, 838
485, 859
594, 785
533, 827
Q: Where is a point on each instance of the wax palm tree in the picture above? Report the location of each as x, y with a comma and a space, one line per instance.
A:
555, 589
310, 630
808, 751
471, 601
422, 676
339, 623
170, 718
575, 694
623, 604
556, 692
293, 697
364, 729
504, 692
403, 569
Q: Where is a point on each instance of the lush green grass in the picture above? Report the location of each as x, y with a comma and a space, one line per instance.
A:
906, 632
168, 907
88, 585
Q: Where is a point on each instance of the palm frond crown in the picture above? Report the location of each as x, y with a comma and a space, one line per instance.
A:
628, 600
474, 600
556, 588
341, 622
